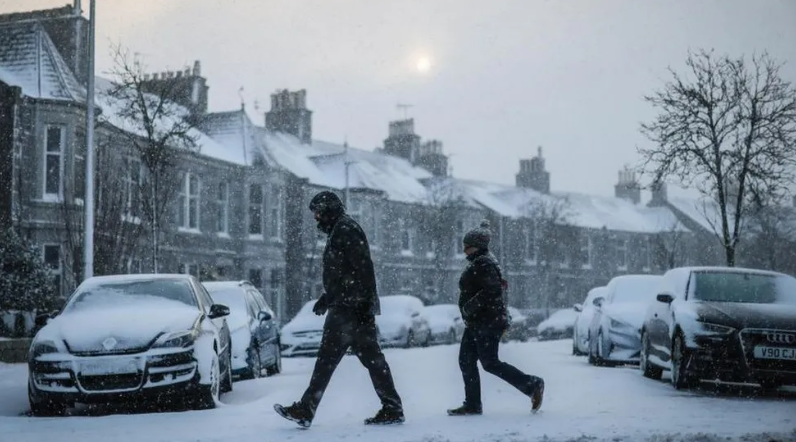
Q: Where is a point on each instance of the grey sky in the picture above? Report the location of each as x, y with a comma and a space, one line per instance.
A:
506, 76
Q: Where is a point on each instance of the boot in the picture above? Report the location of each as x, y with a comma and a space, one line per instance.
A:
297, 413
465, 410
385, 416
537, 396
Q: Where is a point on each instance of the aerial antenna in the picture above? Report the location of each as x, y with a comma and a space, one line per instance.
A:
403, 108
242, 100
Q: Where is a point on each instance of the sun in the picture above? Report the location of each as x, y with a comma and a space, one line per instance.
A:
423, 64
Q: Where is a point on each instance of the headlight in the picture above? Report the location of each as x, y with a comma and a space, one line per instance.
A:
714, 329
619, 324
176, 340
40, 348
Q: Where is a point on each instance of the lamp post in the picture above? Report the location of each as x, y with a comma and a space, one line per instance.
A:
88, 199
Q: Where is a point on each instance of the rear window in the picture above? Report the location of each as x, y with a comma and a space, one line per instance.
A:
231, 297
755, 288
132, 293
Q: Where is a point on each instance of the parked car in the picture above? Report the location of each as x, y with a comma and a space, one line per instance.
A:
518, 329
253, 327
302, 335
558, 326
402, 323
580, 335
445, 321
615, 330
721, 323
126, 337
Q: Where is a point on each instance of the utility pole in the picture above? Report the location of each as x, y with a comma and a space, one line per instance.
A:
348, 164
88, 199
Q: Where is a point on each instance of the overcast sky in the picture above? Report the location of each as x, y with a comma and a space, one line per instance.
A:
503, 77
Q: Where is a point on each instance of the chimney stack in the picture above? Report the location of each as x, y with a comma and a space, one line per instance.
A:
628, 187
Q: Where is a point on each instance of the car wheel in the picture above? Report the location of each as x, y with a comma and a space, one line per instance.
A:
681, 379
452, 336
44, 407
276, 367
255, 363
226, 379
648, 369
575, 349
599, 351
410, 339
207, 395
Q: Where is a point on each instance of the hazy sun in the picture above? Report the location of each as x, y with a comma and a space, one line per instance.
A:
423, 64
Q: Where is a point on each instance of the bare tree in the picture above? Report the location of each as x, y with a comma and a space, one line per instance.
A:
550, 221
160, 130
117, 212
771, 242
668, 245
445, 207
730, 129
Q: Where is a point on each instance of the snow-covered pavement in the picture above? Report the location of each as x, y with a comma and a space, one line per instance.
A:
582, 403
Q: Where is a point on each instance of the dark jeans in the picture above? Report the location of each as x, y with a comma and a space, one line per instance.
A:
481, 344
344, 329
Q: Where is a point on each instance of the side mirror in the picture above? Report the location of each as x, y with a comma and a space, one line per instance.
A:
218, 311
457, 319
42, 319
598, 302
415, 314
665, 298
264, 316
577, 307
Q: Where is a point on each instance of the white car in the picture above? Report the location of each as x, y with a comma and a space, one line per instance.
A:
402, 323
558, 326
445, 321
302, 335
580, 337
615, 331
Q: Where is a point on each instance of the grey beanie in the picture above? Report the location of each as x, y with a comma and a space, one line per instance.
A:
479, 237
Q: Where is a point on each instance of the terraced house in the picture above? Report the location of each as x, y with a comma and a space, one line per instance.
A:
239, 208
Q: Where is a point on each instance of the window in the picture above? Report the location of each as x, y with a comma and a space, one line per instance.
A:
621, 254
275, 213
132, 187
190, 269
52, 259
255, 210
222, 208
407, 237
188, 203
273, 289
135, 266
458, 236
53, 166
530, 249
646, 257
79, 164
256, 277
585, 251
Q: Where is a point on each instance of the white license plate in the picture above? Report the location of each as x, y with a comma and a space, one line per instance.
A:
109, 366
782, 353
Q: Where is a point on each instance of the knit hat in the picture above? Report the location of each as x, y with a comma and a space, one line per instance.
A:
327, 203
479, 237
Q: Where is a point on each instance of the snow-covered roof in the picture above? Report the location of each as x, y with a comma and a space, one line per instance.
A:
241, 140
30, 60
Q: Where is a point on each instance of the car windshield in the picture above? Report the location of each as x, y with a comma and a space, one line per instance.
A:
231, 297
114, 293
759, 288
641, 289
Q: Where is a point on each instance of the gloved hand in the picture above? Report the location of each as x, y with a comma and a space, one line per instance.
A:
320, 306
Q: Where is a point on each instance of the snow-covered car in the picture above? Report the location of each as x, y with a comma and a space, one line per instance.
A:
125, 337
302, 335
615, 330
401, 322
580, 334
445, 321
253, 327
558, 326
518, 329
722, 324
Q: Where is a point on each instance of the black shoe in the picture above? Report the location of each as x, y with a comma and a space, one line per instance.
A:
537, 396
297, 413
465, 410
386, 417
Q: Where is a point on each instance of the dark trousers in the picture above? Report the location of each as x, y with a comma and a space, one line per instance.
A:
481, 344
344, 329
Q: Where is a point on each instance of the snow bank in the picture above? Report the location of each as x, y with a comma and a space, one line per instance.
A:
559, 321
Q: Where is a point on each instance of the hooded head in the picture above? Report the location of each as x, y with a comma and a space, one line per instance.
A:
478, 237
328, 208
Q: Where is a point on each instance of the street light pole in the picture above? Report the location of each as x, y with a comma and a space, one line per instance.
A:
88, 199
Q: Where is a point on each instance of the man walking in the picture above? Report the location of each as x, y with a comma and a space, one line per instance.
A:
352, 303
485, 313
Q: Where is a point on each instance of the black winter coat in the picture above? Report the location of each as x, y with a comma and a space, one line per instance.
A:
481, 300
348, 275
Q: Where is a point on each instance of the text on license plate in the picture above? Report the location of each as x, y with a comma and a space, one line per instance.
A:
784, 353
109, 366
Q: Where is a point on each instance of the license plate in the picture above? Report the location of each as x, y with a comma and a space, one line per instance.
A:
109, 366
783, 353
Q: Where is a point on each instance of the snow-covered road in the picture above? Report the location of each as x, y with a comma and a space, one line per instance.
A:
582, 403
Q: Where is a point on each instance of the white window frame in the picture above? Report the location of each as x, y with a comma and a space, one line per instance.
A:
54, 271
131, 186
187, 267
647, 255
135, 266
49, 196
186, 199
621, 249
222, 209
529, 232
407, 239
78, 158
588, 247
260, 207
458, 236
275, 227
